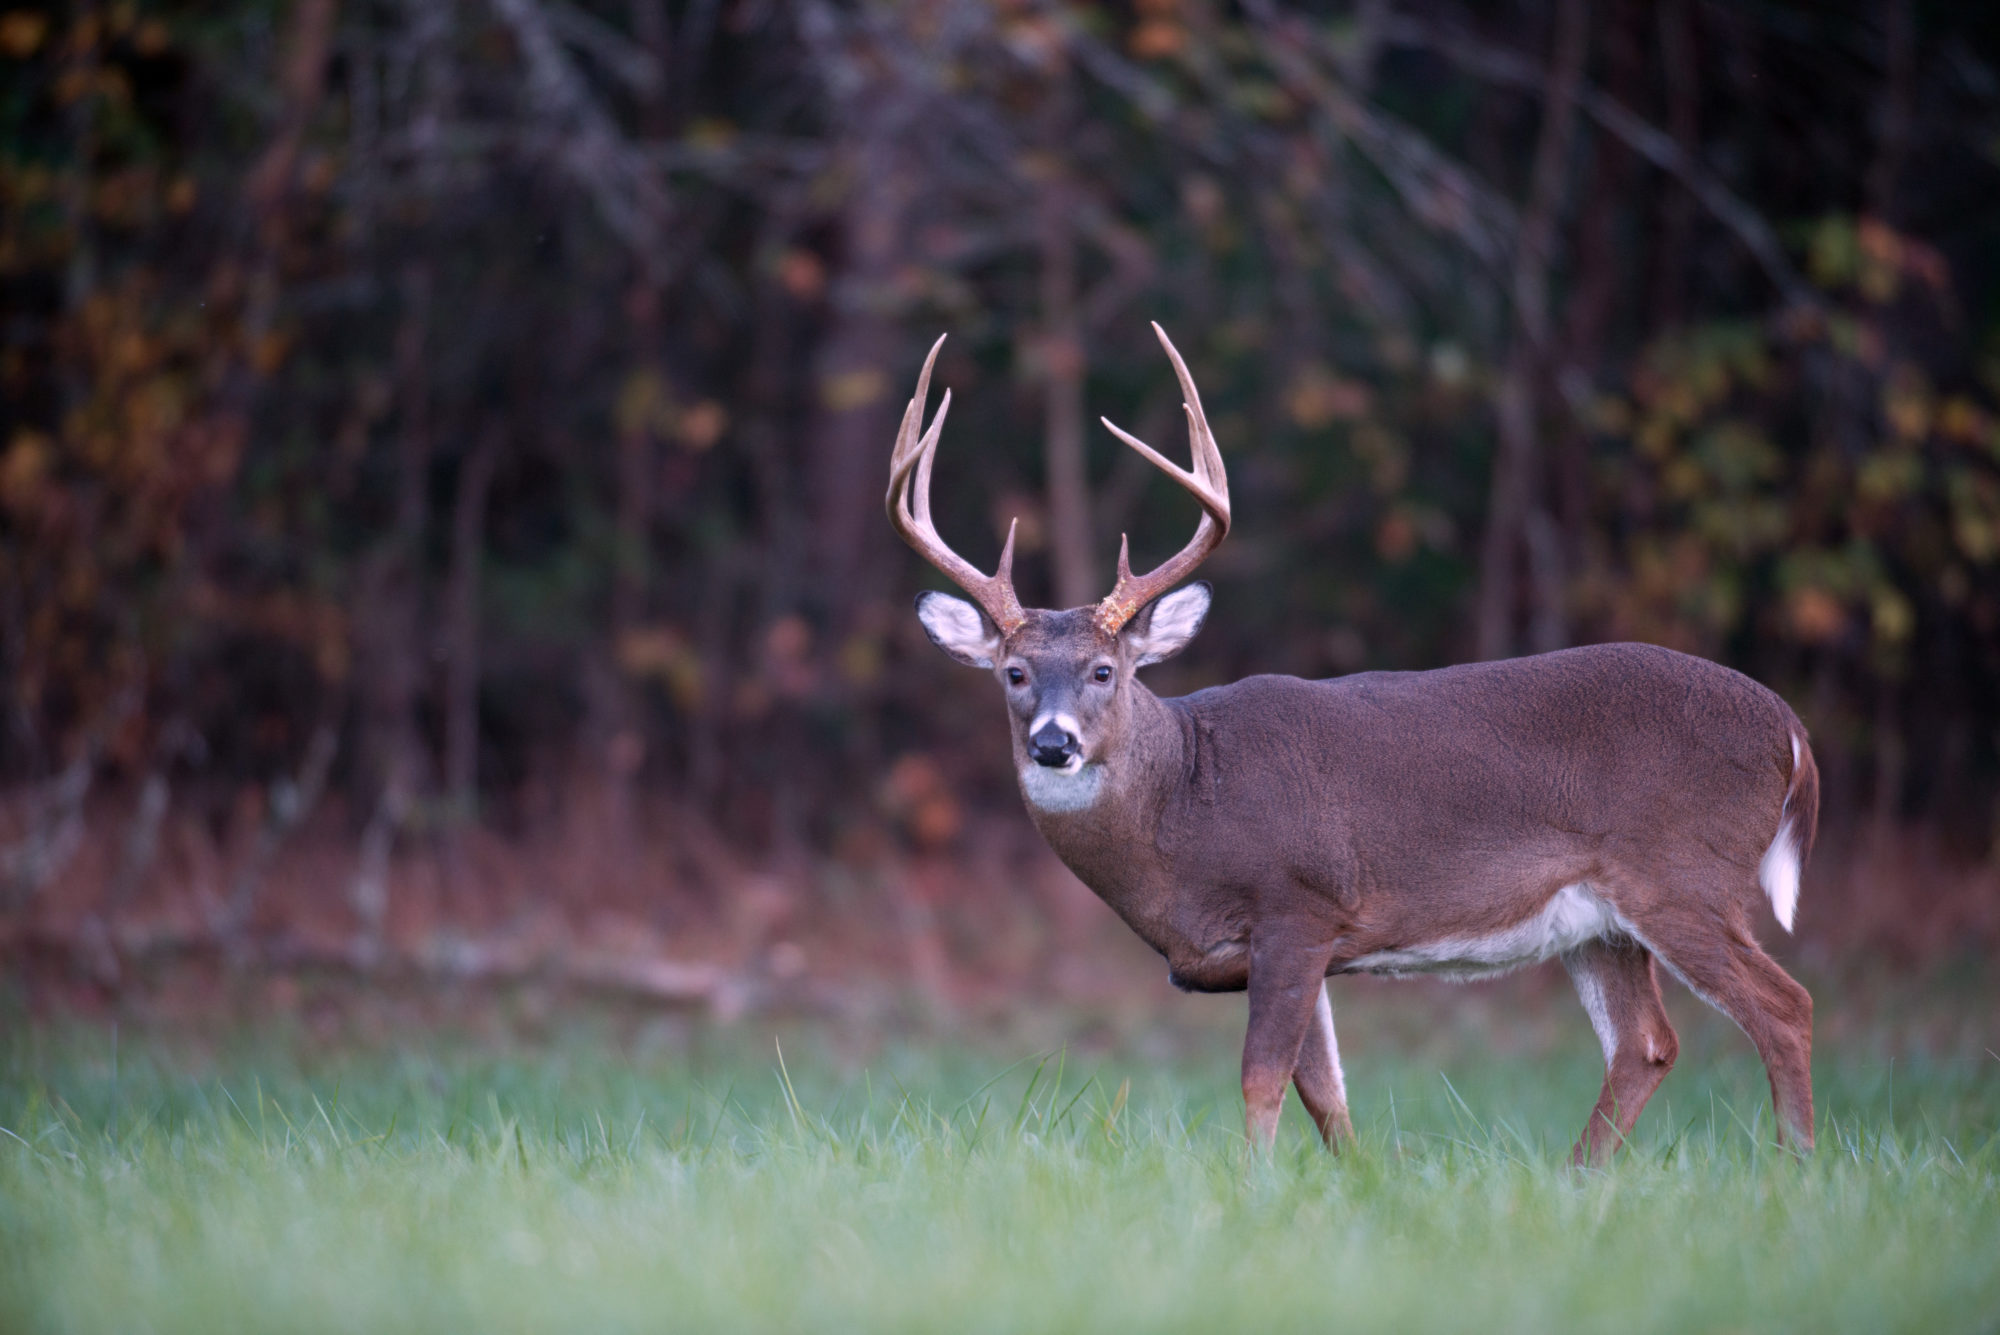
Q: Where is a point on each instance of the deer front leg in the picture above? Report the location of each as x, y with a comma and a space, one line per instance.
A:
1287, 978
1317, 1075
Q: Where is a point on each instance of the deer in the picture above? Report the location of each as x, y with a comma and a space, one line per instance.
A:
1618, 807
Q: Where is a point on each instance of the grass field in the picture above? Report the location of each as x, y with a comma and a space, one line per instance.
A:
591, 1183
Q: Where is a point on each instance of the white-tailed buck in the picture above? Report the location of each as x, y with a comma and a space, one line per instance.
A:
1611, 807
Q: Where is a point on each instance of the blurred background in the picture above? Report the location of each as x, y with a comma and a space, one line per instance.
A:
442, 447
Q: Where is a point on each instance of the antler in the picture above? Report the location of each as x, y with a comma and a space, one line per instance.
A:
909, 504
1207, 484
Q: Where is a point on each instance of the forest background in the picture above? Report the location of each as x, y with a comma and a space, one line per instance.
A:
442, 444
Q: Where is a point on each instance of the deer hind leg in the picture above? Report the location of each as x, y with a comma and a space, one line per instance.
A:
1615, 980
1727, 968
1320, 1084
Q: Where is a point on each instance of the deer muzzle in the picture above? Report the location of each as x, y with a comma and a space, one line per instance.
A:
1053, 745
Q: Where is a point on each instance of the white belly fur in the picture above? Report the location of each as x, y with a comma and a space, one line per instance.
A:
1574, 915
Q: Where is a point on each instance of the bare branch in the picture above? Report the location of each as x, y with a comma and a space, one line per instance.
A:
1442, 194
620, 181
1510, 70
632, 64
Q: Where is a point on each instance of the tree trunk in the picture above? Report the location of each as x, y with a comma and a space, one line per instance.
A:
780, 575
856, 410
1062, 357
1517, 466
461, 708
309, 44
1677, 206
391, 648
1893, 115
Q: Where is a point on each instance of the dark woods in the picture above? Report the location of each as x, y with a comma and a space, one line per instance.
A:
426, 422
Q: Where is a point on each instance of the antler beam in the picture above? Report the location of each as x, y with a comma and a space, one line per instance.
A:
1207, 483
909, 505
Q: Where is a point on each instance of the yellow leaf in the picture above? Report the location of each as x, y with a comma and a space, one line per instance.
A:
1962, 420
1906, 402
1318, 397
845, 391
21, 32
1611, 414
1886, 477
639, 402
269, 353
1834, 252
711, 132
22, 470
1894, 617
861, 659
1975, 536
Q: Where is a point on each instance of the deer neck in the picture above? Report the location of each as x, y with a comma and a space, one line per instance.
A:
1103, 821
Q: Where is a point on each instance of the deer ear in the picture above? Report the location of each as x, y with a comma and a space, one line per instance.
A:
1165, 625
959, 628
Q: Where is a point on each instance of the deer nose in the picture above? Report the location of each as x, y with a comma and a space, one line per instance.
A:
1053, 746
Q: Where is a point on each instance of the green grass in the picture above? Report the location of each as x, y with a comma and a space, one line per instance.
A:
578, 1186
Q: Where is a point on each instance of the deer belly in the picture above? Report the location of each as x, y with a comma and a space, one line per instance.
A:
1223, 968
1573, 916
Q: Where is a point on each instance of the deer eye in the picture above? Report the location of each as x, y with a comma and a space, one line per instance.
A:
1102, 674
1015, 676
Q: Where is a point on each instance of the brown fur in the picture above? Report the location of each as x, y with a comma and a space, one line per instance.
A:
1266, 834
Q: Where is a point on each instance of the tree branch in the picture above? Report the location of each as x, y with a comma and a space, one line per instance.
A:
1507, 69
618, 178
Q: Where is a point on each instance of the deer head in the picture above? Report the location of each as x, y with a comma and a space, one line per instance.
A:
1067, 674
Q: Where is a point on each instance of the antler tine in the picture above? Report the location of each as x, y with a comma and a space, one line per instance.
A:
1208, 483
913, 418
926, 457
909, 506
1207, 456
1195, 484
908, 453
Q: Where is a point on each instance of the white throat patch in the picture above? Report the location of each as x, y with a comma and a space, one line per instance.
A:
1062, 789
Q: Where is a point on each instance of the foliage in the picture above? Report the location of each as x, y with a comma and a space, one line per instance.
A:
504, 390
1748, 513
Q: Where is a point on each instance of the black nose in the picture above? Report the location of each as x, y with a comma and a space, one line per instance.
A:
1052, 746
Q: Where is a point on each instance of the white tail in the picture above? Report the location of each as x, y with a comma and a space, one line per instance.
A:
1778, 873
